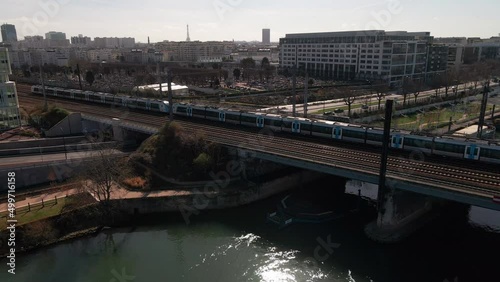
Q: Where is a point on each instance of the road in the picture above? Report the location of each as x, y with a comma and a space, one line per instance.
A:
338, 103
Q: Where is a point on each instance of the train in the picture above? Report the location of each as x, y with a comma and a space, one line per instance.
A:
153, 105
454, 147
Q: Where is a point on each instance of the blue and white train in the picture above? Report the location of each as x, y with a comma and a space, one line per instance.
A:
105, 98
474, 150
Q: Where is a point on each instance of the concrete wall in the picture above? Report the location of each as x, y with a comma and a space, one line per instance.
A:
70, 125
195, 203
41, 174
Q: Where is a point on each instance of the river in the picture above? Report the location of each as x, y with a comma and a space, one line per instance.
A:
238, 245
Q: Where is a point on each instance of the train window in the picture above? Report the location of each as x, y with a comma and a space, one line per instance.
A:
155, 106
79, 95
212, 114
198, 111
408, 141
248, 119
141, 104
273, 122
118, 100
322, 129
109, 99
374, 137
232, 116
181, 109
490, 153
449, 147
354, 134
305, 126
95, 97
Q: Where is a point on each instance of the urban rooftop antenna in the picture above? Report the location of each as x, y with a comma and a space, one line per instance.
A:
188, 39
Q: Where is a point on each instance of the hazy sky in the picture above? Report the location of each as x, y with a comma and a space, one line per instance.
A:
244, 19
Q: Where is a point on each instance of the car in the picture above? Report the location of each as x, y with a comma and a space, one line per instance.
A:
327, 113
364, 107
338, 111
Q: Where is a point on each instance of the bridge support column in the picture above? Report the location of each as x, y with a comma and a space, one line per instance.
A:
118, 134
401, 213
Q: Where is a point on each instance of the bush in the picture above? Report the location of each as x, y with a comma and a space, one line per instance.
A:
135, 182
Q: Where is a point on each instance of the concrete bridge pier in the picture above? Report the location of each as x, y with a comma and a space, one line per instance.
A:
401, 214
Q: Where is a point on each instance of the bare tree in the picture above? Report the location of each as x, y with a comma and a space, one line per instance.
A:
380, 88
106, 171
349, 97
416, 87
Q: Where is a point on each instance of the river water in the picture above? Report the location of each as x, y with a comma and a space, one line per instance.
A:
238, 245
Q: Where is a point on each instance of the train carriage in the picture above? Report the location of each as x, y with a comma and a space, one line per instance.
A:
273, 122
233, 117
160, 106
354, 134
251, 119
323, 129
197, 111
418, 143
490, 153
181, 110
456, 148
65, 93
79, 95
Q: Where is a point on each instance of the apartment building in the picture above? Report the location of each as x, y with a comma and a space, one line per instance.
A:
114, 42
196, 51
374, 54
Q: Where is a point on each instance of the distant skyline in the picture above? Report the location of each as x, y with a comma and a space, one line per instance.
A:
244, 19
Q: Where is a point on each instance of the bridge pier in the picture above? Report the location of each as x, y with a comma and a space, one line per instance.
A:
401, 214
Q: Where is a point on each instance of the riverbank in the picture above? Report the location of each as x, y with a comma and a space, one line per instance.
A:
127, 205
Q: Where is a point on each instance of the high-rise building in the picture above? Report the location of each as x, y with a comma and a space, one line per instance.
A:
266, 36
9, 33
9, 104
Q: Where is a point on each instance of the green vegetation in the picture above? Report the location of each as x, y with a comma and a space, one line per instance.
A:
39, 118
436, 118
176, 153
37, 211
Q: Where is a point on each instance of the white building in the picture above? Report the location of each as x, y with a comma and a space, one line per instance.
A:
9, 104
372, 54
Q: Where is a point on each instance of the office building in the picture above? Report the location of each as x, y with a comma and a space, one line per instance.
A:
266, 36
372, 54
9, 104
9, 33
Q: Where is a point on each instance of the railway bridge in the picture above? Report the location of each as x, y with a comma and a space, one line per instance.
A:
415, 182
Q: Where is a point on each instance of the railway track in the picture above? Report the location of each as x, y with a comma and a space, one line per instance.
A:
479, 179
